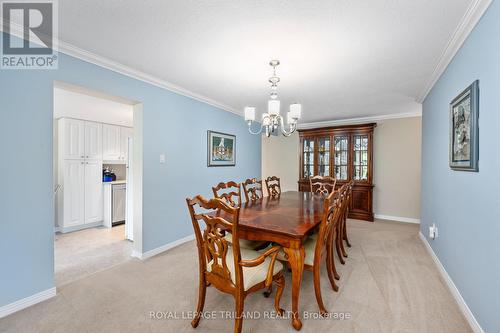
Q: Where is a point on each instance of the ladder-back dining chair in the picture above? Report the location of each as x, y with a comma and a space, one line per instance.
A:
321, 246
322, 185
226, 266
339, 243
343, 224
253, 189
273, 186
230, 193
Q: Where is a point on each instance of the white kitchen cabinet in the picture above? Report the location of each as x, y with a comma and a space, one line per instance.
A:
79, 139
93, 140
125, 133
72, 209
82, 147
93, 191
111, 143
82, 198
79, 203
71, 138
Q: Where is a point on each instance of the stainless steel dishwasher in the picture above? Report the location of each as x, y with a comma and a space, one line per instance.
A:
119, 204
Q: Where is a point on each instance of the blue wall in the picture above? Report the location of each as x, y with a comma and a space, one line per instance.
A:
466, 206
173, 124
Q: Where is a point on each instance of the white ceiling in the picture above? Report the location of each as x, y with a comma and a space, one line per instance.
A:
340, 59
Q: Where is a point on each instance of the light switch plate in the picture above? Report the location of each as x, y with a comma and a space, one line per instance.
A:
433, 231
162, 158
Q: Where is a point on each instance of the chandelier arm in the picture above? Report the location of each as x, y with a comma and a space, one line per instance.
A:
250, 129
283, 130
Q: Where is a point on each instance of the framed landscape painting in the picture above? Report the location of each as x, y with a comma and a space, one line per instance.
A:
464, 130
221, 149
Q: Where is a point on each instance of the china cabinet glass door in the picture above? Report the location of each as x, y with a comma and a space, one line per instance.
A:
324, 156
308, 157
360, 157
341, 159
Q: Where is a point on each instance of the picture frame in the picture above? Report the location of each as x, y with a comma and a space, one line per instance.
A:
464, 130
221, 149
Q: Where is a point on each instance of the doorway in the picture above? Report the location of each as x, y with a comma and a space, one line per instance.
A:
96, 169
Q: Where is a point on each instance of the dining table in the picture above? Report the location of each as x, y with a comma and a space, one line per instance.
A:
287, 219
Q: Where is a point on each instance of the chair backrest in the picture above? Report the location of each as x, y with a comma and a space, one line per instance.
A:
217, 217
273, 186
322, 185
348, 197
253, 189
344, 192
229, 192
332, 213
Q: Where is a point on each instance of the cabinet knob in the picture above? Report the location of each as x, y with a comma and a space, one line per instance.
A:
82, 156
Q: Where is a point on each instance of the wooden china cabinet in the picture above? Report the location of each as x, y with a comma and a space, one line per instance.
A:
345, 153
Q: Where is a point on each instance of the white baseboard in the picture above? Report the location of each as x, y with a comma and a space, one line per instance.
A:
453, 288
80, 227
26, 302
397, 218
163, 248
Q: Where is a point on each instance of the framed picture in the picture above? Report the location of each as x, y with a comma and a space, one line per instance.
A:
221, 149
464, 130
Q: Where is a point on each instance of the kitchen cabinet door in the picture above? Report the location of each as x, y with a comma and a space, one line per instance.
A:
73, 193
111, 144
72, 134
93, 140
126, 133
93, 191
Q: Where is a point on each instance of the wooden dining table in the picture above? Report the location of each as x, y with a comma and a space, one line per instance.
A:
287, 220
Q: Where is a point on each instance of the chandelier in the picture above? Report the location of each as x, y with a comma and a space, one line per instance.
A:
272, 120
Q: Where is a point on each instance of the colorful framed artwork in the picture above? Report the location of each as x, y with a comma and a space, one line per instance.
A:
464, 130
221, 149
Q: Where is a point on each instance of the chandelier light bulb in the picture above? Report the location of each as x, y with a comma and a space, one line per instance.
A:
295, 110
249, 113
273, 107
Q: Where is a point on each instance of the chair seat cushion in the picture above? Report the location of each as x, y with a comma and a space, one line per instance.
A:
309, 248
244, 243
251, 275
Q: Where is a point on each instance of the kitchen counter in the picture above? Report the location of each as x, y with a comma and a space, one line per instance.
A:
115, 182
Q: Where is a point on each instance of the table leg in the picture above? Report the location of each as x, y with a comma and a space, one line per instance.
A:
296, 261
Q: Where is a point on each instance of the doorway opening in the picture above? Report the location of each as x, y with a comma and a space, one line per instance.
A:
97, 176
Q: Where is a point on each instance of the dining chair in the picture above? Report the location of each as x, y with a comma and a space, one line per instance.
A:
253, 189
346, 213
322, 184
339, 240
320, 245
226, 266
273, 186
230, 193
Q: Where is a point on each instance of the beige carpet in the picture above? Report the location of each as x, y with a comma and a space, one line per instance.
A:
82, 253
389, 284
